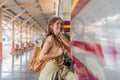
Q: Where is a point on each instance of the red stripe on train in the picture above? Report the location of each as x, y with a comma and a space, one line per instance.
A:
80, 5
91, 47
81, 70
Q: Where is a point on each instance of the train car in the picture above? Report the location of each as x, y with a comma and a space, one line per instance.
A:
95, 36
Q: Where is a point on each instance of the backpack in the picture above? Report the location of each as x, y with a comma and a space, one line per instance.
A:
35, 64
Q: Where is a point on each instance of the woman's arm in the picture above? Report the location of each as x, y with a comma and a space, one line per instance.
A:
45, 50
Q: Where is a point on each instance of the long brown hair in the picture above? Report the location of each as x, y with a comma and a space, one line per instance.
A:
50, 30
51, 23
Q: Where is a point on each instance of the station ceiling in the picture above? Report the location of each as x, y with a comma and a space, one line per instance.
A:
35, 13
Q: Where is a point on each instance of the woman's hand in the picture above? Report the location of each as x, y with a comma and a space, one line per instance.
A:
65, 41
60, 51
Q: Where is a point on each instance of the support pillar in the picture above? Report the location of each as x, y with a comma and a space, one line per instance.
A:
21, 45
13, 41
64, 10
33, 33
60, 6
66, 14
26, 36
30, 35
0, 33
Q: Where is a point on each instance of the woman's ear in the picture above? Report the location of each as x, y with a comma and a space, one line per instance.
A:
51, 27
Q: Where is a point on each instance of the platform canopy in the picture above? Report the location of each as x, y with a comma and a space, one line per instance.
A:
35, 13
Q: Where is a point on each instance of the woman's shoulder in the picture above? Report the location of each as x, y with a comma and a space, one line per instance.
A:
49, 38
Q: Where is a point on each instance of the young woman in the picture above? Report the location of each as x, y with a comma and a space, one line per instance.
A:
52, 51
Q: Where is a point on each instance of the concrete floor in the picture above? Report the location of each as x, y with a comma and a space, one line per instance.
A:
17, 67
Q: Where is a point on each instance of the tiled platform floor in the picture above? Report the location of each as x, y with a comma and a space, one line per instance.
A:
17, 67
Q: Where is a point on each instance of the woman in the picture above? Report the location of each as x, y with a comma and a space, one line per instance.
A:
52, 51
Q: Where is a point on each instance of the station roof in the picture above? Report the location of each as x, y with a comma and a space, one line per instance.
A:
35, 13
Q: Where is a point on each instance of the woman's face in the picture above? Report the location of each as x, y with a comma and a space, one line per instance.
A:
58, 27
